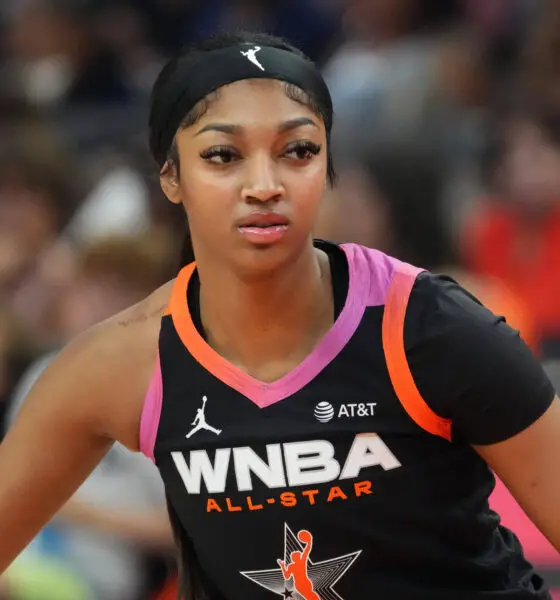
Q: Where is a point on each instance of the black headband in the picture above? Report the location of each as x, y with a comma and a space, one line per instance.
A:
194, 80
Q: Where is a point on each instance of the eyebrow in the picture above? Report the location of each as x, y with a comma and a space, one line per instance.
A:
237, 129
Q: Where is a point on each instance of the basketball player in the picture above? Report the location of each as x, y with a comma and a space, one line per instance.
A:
391, 479
200, 421
298, 568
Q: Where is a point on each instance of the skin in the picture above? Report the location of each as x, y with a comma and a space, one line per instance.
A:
93, 393
267, 174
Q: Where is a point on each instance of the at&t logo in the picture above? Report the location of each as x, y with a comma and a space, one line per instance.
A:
325, 412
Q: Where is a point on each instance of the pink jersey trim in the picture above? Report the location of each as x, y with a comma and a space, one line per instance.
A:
265, 394
379, 268
151, 413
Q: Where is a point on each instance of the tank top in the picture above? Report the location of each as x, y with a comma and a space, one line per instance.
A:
337, 481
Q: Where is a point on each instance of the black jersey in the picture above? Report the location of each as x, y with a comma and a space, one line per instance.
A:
329, 483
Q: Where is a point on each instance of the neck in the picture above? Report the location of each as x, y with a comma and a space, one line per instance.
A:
263, 321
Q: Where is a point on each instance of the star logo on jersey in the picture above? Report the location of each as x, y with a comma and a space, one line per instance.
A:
297, 576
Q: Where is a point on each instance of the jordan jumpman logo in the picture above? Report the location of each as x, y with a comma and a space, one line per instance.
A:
251, 55
200, 421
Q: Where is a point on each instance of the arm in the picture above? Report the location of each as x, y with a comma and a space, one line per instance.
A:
472, 368
148, 528
90, 395
529, 465
52, 447
307, 551
286, 572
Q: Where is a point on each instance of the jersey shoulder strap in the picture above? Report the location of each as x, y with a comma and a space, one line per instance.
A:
401, 376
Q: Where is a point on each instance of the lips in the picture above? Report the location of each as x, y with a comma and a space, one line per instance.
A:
263, 229
263, 220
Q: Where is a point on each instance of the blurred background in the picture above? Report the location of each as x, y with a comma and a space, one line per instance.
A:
447, 143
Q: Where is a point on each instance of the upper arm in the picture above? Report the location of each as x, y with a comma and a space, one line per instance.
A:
89, 396
54, 443
472, 368
528, 464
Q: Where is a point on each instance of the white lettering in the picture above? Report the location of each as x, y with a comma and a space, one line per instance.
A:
246, 460
353, 409
201, 469
310, 462
302, 464
368, 450
343, 411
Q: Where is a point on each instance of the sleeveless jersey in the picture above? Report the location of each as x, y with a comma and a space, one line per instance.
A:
335, 482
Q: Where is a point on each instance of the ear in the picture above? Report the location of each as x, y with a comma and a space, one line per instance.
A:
169, 181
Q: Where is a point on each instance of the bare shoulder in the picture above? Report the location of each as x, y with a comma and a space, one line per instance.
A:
147, 312
125, 348
105, 372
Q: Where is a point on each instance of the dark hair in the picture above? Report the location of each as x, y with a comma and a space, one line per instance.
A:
219, 42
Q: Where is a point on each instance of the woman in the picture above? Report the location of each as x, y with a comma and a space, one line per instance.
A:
271, 348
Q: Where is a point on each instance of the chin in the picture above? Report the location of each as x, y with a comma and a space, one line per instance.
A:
264, 261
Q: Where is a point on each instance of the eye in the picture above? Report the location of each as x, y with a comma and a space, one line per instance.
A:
221, 155
303, 150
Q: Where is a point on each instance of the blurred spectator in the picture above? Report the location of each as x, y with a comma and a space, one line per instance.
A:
35, 203
109, 275
540, 68
35, 576
500, 28
394, 202
56, 58
514, 235
119, 513
117, 205
389, 68
73, 286
24, 131
411, 72
314, 25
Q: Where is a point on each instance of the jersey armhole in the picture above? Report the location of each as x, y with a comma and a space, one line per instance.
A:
151, 413
400, 374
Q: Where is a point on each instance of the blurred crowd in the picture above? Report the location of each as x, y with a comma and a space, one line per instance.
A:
447, 144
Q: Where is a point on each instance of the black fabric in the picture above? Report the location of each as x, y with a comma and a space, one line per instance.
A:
470, 366
195, 78
192, 583
423, 531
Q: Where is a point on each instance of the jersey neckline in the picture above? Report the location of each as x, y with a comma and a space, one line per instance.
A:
261, 393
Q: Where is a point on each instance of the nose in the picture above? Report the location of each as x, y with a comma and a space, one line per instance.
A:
262, 182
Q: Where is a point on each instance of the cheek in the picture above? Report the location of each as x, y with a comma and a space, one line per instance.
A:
305, 189
208, 194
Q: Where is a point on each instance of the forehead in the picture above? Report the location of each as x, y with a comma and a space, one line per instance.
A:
249, 100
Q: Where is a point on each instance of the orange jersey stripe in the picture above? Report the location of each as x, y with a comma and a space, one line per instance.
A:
395, 356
